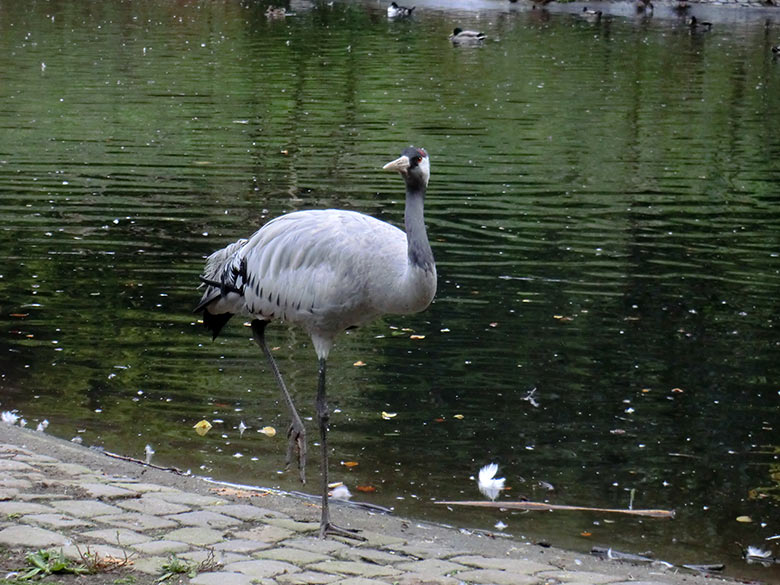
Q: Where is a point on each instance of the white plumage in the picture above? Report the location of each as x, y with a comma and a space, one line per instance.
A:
326, 271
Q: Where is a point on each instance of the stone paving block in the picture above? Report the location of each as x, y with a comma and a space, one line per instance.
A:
380, 540
34, 458
306, 578
150, 565
247, 512
315, 544
22, 508
420, 579
15, 482
212, 557
161, 547
519, 566
30, 537
121, 536
360, 581
96, 551
293, 525
264, 533
8, 465
496, 577
579, 577
205, 519
433, 567
151, 504
354, 568
241, 545
640, 583
56, 521
259, 569
69, 469
189, 499
292, 555
107, 492
142, 487
222, 578
8, 494
196, 536
372, 555
426, 549
137, 521
85, 508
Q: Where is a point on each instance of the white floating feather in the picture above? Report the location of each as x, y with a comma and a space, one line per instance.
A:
487, 482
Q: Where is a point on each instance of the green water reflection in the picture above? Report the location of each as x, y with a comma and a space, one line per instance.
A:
603, 208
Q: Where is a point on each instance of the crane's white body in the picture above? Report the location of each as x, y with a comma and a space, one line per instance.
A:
325, 270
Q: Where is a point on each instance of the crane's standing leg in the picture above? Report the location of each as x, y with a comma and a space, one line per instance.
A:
323, 416
296, 434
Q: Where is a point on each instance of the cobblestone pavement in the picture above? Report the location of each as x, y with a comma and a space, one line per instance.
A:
55, 495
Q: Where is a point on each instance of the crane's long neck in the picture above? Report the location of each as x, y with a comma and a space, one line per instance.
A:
420, 253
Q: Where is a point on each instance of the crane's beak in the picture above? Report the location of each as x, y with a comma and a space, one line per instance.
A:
401, 164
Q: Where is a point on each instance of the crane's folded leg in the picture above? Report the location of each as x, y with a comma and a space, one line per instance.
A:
323, 415
296, 434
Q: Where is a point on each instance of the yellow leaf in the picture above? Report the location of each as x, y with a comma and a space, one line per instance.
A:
744, 519
359, 364
458, 416
389, 415
202, 427
268, 431
417, 337
350, 463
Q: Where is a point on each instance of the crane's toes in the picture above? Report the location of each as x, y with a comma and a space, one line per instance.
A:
296, 445
333, 530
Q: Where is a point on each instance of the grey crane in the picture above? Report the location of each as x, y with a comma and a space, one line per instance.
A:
326, 271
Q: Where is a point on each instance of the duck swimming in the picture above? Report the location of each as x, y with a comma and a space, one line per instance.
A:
395, 11
467, 37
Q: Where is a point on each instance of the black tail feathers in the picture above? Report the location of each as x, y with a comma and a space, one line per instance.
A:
215, 323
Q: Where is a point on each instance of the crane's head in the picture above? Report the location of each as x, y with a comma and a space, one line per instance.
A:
413, 165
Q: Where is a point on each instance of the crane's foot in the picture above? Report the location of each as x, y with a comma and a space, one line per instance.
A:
296, 444
333, 530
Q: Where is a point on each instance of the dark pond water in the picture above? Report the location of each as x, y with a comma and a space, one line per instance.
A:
604, 208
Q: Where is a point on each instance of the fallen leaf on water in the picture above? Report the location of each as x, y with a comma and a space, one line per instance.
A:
268, 431
367, 489
458, 416
678, 390
586, 533
350, 464
389, 415
744, 519
439, 420
493, 324
202, 427
18, 315
359, 364
417, 337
